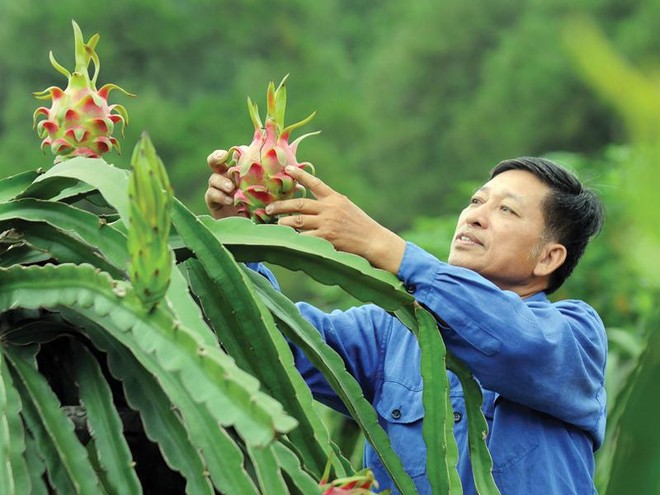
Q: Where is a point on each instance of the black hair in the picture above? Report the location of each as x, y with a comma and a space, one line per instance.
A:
573, 213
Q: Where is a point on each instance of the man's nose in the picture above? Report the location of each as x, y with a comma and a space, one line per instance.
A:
477, 216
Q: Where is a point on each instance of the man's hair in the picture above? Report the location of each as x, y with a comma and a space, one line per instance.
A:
573, 213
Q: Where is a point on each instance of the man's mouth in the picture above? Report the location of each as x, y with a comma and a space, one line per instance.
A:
468, 239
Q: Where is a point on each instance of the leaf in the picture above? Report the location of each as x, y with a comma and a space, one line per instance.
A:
181, 303
267, 469
442, 454
61, 245
325, 359
161, 422
37, 469
105, 426
76, 223
239, 322
316, 257
22, 254
290, 464
14, 476
67, 462
635, 463
10, 187
168, 350
111, 182
480, 458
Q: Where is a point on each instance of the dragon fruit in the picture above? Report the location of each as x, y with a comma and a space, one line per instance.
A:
258, 169
80, 122
360, 483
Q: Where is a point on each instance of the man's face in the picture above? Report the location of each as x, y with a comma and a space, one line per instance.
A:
499, 234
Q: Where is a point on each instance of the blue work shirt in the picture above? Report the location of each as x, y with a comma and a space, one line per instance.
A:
541, 366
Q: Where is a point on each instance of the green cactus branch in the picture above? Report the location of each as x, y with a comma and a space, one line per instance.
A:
76, 223
15, 477
163, 347
189, 436
68, 464
324, 358
480, 458
11, 187
239, 321
111, 182
437, 429
316, 257
270, 361
112, 451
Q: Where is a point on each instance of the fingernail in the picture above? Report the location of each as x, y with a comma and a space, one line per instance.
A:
228, 200
269, 209
228, 185
289, 168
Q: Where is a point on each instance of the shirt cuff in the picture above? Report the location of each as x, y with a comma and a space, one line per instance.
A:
261, 269
418, 268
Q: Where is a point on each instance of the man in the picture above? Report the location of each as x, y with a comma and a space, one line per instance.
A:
541, 365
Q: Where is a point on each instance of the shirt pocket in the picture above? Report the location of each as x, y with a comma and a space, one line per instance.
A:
513, 434
401, 412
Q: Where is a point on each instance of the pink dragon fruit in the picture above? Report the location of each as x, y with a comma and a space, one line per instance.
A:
80, 122
258, 169
360, 483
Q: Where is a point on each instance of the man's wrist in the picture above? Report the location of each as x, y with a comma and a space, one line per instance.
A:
385, 251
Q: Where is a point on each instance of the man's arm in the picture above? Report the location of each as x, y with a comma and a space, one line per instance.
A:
549, 357
358, 335
334, 217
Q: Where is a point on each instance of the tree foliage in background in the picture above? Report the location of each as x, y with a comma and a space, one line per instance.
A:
439, 91
630, 461
123, 313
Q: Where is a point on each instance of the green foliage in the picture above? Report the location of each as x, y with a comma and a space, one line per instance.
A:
434, 91
631, 458
187, 365
150, 194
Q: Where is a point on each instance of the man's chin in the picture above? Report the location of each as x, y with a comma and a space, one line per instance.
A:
460, 261
455, 260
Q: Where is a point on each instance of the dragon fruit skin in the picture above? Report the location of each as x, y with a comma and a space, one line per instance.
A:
257, 169
360, 483
80, 122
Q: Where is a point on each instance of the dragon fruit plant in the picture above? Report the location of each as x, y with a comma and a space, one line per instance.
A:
80, 121
127, 321
360, 483
258, 168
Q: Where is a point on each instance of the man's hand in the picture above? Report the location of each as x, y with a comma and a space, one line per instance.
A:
219, 196
332, 216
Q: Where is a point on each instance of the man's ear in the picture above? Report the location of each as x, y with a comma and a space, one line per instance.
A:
552, 257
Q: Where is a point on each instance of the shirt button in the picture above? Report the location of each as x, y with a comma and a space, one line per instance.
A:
410, 288
457, 417
396, 413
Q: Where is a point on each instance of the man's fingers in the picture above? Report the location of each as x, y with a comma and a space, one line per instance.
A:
217, 161
221, 183
292, 206
217, 197
299, 222
315, 185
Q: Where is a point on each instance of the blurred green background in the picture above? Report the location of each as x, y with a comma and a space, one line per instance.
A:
411, 100
416, 102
